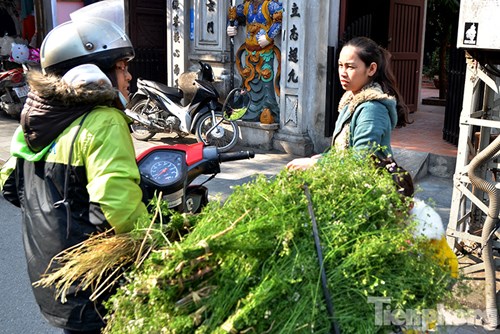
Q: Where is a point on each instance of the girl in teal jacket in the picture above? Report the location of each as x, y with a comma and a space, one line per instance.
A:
370, 108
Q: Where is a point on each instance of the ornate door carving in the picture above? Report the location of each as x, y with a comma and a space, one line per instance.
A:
405, 42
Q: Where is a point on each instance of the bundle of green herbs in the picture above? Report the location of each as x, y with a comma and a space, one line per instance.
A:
251, 265
99, 262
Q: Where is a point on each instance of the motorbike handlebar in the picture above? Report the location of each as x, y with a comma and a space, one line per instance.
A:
232, 156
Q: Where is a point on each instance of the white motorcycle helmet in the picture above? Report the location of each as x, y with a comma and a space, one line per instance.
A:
91, 40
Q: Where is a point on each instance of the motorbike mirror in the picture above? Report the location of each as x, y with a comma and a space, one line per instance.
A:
236, 104
206, 72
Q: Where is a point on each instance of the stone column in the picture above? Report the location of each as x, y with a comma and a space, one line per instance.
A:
303, 77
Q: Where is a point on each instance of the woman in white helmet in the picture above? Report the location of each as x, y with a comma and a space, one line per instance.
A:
73, 170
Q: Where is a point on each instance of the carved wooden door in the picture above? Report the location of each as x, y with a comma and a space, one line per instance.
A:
405, 42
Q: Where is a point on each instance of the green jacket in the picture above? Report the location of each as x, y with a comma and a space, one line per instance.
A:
62, 206
371, 116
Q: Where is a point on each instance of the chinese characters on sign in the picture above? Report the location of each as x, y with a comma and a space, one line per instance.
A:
293, 50
211, 8
295, 10
294, 36
208, 24
211, 5
210, 27
292, 77
293, 57
177, 41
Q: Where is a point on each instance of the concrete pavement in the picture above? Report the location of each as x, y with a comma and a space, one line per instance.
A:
432, 186
7, 128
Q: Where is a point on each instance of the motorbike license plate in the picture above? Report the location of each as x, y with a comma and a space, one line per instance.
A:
21, 91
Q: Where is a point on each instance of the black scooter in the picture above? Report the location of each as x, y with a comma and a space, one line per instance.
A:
157, 108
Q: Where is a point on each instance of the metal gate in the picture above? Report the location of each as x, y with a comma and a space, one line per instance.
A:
147, 30
148, 63
454, 96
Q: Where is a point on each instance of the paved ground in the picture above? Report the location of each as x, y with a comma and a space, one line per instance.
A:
19, 312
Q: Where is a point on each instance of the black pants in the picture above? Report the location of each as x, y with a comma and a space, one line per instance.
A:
69, 331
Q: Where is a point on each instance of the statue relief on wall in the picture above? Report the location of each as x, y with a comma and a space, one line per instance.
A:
256, 57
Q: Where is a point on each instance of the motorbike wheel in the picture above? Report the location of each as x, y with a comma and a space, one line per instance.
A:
141, 131
224, 136
3, 112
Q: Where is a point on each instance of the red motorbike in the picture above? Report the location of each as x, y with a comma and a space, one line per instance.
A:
169, 170
13, 92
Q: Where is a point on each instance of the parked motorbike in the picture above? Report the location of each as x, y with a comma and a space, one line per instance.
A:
13, 92
169, 170
156, 107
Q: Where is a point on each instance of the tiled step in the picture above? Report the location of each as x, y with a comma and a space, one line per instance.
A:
413, 161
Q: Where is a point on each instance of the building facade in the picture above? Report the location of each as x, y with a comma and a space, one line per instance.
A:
172, 36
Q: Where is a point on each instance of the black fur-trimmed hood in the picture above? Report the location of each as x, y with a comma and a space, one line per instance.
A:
52, 105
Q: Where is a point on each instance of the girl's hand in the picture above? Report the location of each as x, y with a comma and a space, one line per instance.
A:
303, 163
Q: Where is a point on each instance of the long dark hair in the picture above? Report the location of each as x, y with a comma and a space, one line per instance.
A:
370, 52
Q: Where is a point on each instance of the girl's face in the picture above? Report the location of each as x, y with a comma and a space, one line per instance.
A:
353, 72
123, 78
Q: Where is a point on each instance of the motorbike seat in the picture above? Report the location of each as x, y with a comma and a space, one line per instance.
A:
8, 83
171, 91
